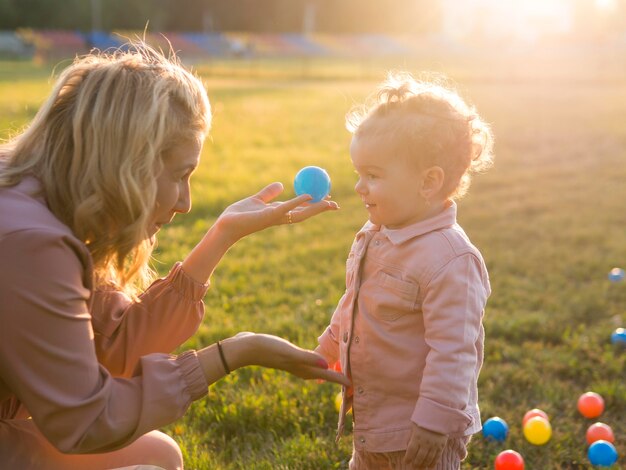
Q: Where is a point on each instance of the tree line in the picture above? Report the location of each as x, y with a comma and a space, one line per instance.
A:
333, 16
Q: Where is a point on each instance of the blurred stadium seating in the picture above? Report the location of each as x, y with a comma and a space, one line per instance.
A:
12, 46
53, 45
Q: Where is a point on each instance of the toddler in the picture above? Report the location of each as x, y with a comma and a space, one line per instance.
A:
408, 330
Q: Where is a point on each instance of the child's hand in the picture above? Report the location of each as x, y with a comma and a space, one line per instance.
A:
425, 448
256, 212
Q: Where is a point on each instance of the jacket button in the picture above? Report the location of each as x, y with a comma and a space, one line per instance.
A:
360, 390
356, 339
345, 336
362, 440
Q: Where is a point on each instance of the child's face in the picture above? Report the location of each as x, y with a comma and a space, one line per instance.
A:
388, 184
173, 192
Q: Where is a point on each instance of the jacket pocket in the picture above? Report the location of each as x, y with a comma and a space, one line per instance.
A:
389, 297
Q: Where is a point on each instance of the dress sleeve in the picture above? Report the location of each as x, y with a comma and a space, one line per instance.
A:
167, 314
48, 356
453, 307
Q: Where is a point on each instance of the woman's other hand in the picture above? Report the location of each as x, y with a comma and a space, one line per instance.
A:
248, 349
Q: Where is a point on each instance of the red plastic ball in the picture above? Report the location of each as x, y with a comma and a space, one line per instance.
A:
590, 405
599, 431
532, 413
509, 460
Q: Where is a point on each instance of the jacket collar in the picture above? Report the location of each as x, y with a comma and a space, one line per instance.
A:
445, 219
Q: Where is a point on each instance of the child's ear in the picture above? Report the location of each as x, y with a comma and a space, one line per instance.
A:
432, 182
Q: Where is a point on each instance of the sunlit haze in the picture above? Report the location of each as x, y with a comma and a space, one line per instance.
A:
526, 20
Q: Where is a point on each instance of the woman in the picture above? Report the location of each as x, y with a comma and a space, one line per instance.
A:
84, 190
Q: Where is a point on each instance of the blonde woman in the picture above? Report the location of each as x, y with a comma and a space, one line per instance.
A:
84, 349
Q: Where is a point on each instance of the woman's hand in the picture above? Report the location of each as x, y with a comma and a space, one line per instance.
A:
257, 212
242, 218
246, 349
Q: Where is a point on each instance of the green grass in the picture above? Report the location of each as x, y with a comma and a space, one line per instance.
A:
548, 218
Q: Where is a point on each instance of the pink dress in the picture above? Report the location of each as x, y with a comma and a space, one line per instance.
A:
92, 368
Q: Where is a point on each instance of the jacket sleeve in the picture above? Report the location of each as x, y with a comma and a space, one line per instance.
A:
329, 339
453, 306
167, 314
48, 356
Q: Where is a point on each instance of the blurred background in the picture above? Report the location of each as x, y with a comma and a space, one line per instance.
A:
361, 29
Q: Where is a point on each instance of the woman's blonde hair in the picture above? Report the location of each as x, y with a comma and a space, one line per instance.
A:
431, 124
97, 145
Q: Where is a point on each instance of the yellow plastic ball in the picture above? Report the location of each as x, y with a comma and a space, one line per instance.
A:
338, 400
537, 430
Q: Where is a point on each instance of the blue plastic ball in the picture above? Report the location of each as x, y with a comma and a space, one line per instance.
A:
602, 454
495, 429
312, 180
618, 337
616, 274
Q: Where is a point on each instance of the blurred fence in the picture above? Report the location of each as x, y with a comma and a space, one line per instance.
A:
52, 45
322, 56
47, 45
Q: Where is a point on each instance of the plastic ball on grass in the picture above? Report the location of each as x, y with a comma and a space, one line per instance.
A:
495, 429
590, 405
509, 460
537, 430
338, 400
618, 337
602, 454
534, 412
599, 432
616, 274
312, 180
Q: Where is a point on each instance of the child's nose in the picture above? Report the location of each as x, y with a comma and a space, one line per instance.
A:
359, 187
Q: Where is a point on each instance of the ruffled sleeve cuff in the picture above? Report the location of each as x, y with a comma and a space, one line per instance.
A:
436, 417
192, 374
185, 285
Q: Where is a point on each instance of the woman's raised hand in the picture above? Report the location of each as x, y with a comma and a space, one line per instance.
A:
242, 218
258, 212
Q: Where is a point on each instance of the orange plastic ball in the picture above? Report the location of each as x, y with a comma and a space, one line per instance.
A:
590, 405
534, 412
509, 460
599, 431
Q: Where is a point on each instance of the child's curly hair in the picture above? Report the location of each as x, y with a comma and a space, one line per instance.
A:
431, 124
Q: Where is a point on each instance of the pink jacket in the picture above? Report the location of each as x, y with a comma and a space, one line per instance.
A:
408, 331
92, 368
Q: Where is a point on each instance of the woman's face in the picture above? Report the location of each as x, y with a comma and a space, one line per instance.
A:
173, 192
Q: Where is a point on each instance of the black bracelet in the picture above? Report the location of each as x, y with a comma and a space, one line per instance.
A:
224, 363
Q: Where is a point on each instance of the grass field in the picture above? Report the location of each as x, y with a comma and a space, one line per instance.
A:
549, 219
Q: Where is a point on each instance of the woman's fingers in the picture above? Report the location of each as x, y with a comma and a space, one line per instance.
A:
279, 353
269, 192
291, 204
326, 375
314, 366
301, 214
